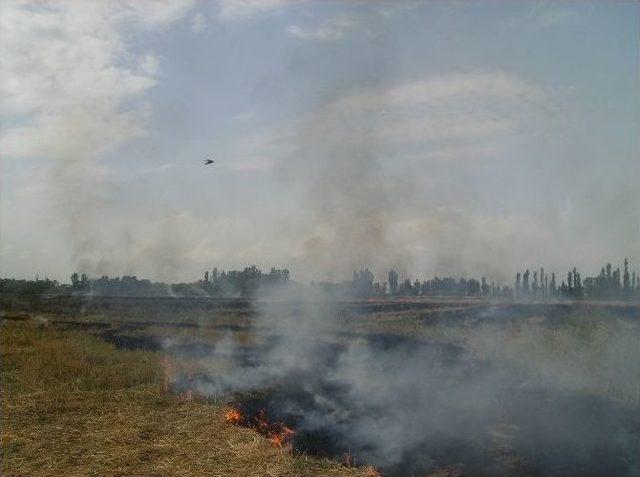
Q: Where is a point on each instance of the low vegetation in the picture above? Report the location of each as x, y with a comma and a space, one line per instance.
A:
74, 405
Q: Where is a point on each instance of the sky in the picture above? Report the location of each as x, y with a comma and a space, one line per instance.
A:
437, 138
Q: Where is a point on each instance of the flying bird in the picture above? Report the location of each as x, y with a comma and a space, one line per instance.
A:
208, 161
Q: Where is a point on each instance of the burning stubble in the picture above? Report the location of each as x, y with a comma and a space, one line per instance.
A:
526, 397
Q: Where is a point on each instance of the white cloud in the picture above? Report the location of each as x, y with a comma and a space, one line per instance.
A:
198, 23
73, 90
444, 128
329, 30
237, 9
444, 115
149, 65
66, 65
438, 89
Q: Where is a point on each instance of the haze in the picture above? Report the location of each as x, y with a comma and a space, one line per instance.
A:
437, 138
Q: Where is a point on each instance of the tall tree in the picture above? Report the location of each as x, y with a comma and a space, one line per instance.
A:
393, 282
626, 284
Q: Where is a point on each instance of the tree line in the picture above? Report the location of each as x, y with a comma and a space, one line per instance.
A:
609, 284
244, 283
363, 285
217, 283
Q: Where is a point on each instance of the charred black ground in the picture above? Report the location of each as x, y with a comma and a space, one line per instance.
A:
528, 430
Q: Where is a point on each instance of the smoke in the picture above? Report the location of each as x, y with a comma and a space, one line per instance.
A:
380, 163
78, 89
549, 395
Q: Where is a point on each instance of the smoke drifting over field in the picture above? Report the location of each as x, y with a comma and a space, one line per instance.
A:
524, 396
399, 153
359, 158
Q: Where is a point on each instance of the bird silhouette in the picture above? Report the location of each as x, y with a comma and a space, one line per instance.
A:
208, 161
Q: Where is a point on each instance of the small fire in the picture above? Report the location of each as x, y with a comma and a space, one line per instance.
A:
371, 471
283, 437
277, 433
233, 416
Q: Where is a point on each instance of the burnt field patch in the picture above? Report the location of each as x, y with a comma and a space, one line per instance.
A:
534, 397
455, 413
480, 392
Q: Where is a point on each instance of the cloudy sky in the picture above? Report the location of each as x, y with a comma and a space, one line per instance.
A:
434, 137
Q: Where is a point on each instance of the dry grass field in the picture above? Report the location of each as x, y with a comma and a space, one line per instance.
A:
108, 395
75, 405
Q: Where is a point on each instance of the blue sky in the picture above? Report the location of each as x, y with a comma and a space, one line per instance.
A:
434, 137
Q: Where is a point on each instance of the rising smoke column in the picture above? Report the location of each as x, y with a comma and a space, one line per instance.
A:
78, 88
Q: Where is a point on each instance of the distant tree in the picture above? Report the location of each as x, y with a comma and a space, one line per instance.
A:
362, 283
577, 284
564, 291
485, 288
393, 282
617, 288
626, 282
405, 287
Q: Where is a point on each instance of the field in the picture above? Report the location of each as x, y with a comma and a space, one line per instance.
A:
204, 387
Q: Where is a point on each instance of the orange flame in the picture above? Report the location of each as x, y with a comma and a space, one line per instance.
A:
277, 433
283, 437
233, 416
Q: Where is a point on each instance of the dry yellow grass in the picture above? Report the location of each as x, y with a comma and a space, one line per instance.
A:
73, 405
